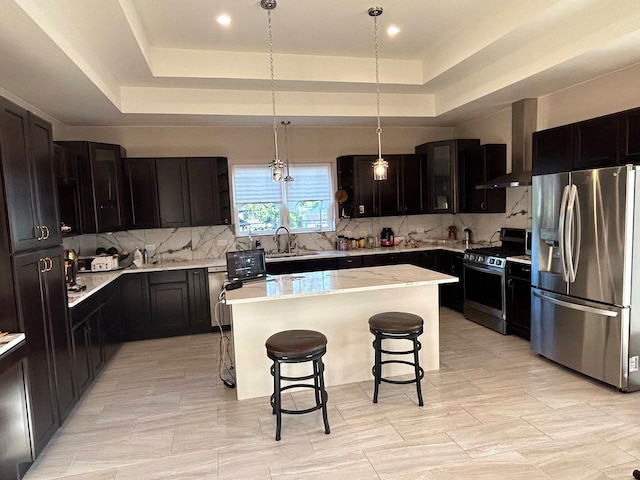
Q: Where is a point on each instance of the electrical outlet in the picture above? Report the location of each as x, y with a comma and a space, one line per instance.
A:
420, 230
150, 248
222, 243
347, 233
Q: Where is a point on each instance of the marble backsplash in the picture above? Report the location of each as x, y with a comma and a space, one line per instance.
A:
193, 243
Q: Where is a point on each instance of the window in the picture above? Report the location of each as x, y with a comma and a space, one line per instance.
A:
304, 205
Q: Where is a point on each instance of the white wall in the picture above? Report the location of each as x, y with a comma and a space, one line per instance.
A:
607, 94
255, 144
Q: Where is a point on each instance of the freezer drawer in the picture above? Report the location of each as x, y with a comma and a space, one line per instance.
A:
587, 337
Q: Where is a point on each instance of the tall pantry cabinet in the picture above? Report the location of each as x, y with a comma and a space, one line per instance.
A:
32, 261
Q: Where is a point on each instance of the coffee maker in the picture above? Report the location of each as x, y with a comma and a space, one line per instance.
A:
386, 237
70, 267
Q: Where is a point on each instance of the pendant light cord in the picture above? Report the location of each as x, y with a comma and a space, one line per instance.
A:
273, 87
379, 129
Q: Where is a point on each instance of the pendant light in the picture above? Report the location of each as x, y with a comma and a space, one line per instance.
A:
286, 123
380, 165
277, 166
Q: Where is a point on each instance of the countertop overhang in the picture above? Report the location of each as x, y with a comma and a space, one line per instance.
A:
332, 282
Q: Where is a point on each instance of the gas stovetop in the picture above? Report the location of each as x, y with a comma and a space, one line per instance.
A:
495, 257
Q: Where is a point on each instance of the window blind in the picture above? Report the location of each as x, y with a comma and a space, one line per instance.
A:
254, 185
311, 182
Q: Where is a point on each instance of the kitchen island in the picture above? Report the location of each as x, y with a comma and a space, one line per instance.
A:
337, 303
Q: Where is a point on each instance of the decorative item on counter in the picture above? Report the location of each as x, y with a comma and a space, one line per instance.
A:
137, 258
453, 232
369, 241
145, 256
361, 243
376, 242
386, 237
468, 237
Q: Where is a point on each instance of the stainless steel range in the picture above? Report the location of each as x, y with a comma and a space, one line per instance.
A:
484, 279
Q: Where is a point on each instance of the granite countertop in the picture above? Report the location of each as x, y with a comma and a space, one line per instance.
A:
94, 281
330, 282
10, 341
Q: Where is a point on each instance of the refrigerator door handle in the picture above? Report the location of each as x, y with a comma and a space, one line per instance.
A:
578, 237
569, 233
576, 306
561, 232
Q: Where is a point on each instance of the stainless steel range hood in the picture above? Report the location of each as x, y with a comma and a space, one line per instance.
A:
523, 123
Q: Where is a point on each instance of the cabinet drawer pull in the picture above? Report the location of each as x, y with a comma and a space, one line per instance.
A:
44, 265
46, 232
40, 235
49, 264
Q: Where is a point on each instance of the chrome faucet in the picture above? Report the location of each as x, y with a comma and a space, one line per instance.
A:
251, 245
276, 239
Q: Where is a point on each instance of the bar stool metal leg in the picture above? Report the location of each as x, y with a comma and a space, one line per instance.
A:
416, 362
277, 401
323, 394
377, 345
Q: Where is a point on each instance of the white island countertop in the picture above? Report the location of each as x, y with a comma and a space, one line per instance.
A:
331, 282
7, 342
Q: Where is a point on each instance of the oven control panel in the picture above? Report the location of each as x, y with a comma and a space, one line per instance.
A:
479, 259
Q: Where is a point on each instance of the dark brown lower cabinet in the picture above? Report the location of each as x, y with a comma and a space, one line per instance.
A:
164, 304
300, 266
96, 333
451, 295
42, 307
519, 299
169, 301
15, 454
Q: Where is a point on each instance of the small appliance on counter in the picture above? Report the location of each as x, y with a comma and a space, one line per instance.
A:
105, 263
386, 237
70, 267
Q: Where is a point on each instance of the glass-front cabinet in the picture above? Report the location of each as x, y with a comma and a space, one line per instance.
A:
106, 159
441, 178
445, 159
101, 186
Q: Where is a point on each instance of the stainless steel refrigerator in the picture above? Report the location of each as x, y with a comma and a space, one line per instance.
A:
585, 296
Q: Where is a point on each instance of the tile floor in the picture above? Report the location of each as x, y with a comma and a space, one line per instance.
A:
493, 411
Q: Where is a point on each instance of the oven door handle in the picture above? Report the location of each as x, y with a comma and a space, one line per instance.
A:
485, 270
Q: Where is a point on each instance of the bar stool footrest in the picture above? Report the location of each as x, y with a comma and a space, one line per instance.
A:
398, 382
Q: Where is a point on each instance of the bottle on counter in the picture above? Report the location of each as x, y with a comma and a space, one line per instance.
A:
137, 258
145, 256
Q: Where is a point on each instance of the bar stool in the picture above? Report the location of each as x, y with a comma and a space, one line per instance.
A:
298, 346
396, 326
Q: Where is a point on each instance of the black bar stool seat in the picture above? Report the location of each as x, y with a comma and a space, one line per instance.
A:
396, 326
298, 346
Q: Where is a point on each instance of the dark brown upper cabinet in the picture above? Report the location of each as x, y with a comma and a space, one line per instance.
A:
444, 161
203, 191
26, 152
101, 186
630, 136
142, 189
596, 143
491, 163
173, 192
553, 150
65, 170
400, 194
178, 192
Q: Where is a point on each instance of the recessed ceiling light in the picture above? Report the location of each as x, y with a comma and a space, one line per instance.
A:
224, 20
393, 30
